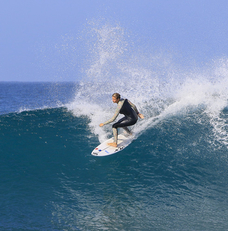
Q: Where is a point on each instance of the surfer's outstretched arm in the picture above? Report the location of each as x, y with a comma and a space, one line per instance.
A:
120, 104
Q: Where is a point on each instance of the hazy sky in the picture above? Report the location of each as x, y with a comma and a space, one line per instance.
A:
32, 30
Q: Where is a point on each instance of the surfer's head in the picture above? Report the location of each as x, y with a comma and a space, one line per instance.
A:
115, 97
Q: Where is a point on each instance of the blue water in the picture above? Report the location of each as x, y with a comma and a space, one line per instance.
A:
174, 174
172, 177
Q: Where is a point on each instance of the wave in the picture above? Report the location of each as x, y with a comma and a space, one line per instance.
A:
48, 151
175, 164
158, 86
193, 127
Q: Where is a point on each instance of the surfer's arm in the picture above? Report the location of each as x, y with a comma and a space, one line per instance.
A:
136, 110
133, 106
120, 104
114, 117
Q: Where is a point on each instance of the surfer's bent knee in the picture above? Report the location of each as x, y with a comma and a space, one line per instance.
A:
124, 123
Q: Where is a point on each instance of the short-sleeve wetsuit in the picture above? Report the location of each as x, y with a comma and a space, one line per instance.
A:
130, 113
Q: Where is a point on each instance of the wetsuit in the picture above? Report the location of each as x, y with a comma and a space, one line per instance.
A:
130, 113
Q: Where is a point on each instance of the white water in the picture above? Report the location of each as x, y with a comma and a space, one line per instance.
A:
157, 85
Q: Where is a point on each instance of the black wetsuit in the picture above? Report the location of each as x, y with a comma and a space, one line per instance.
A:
130, 113
130, 116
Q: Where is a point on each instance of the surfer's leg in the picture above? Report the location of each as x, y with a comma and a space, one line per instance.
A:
126, 129
115, 135
122, 123
115, 132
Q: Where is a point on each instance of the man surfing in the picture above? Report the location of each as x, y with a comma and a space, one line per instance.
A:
130, 112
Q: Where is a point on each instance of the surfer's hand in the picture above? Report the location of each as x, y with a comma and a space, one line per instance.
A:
141, 116
101, 125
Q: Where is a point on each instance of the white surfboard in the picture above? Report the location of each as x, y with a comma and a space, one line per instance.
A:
105, 150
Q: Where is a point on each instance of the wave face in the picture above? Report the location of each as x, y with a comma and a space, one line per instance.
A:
173, 175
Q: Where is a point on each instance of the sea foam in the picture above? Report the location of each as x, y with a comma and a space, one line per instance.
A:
157, 85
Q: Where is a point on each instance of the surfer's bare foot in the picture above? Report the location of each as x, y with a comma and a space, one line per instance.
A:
113, 144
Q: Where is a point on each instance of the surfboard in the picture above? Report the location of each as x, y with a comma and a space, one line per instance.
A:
105, 150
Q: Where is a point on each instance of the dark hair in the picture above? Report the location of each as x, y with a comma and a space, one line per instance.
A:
116, 95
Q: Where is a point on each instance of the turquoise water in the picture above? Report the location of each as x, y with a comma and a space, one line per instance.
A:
172, 177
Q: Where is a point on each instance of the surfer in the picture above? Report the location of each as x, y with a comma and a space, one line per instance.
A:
130, 112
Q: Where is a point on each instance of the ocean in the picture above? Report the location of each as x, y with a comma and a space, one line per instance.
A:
173, 176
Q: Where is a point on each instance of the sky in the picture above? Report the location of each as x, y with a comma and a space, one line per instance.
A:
33, 32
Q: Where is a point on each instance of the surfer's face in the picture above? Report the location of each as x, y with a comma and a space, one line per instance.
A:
115, 100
